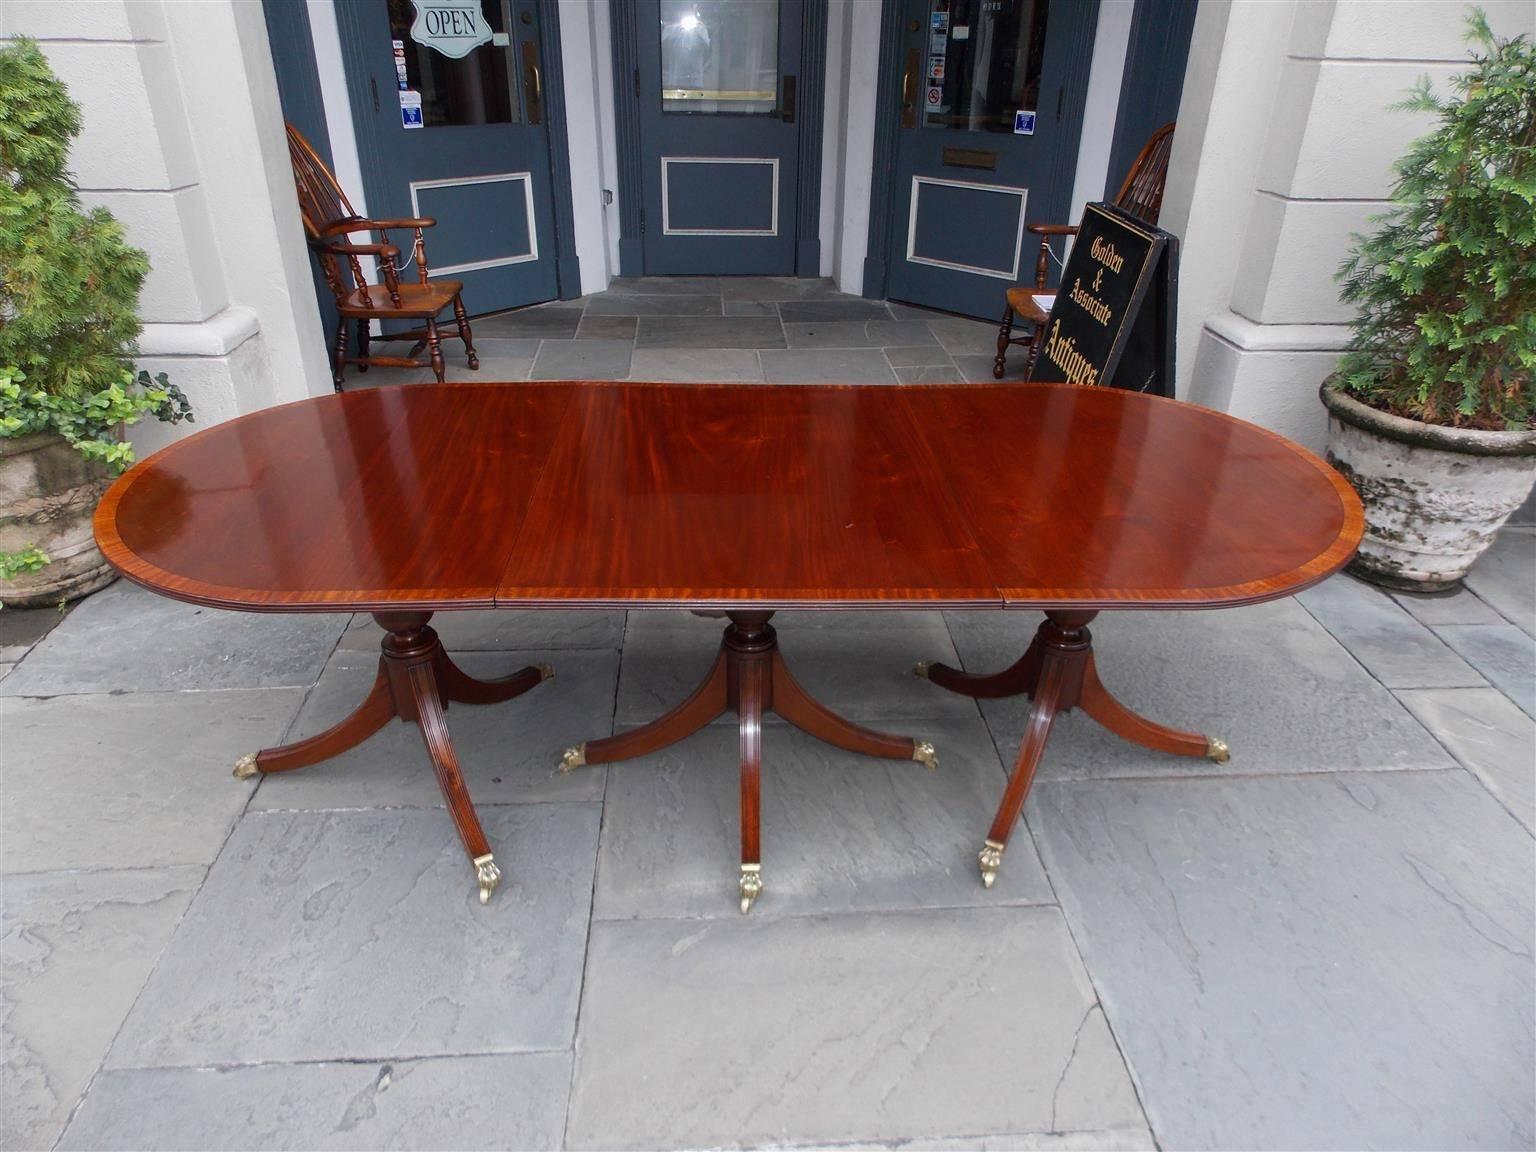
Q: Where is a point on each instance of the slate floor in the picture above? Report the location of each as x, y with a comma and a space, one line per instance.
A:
1325, 943
734, 328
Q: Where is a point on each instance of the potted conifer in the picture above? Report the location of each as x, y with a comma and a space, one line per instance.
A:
69, 293
1431, 410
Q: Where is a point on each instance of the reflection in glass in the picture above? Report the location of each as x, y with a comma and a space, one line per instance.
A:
479, 89
982, 63
719, 56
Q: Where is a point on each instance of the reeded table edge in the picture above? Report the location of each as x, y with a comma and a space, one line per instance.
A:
137, 570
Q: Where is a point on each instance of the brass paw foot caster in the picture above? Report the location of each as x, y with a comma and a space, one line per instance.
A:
487, 875
573, 757
751, 885
921, 668
545, 672
245, 767
923, 752
991, 859
1217, 750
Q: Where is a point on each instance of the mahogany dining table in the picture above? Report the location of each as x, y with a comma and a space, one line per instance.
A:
738, 500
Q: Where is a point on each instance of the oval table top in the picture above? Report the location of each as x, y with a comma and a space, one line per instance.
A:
587, 494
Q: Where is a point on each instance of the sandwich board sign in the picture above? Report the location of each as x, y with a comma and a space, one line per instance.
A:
1113, 319
453, 27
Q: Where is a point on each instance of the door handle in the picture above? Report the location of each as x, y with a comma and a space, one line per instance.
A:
908, 94
787, 102
533, 82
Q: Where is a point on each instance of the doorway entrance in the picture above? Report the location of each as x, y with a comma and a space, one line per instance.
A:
720, 142
987, 114
450, 102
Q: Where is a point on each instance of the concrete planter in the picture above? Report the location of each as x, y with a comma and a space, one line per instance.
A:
1433, 496
48, 493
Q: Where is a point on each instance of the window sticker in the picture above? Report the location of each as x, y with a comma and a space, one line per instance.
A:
1023, 123
410, 109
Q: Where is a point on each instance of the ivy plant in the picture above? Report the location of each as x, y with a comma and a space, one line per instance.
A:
69, 289
1446, 287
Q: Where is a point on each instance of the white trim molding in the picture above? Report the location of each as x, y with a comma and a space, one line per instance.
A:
1018, 241
530, 256
771, 162
1241, 332
219, 335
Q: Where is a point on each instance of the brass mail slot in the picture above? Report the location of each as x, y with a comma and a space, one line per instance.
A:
970, 158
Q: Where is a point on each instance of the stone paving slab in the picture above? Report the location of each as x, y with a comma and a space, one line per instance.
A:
1394, 647
504, 630
1458, 606
507, 751
1504, 655
1502, 577
130, 781
557, 323
696, 365
1268, 679
1491, 738
856, 663
75, 948
840, 831
1304, 961
859, 1028
490, 1102
583, 360
827, 366
124, 639
360, 936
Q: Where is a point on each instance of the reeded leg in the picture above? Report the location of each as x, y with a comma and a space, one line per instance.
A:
458, 686
707, 702
445, 762
1054, 675
811, 716
340, 362
362, 345
1016, 680
376, 710
751, 687
464, 333
1104, 708
1004, 335
435, 351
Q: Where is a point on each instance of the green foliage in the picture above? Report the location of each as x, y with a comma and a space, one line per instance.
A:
1446, 288
90, 421
14, 564
69, 282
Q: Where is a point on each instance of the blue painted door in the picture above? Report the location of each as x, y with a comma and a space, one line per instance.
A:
991, 113
447, 97
719, 131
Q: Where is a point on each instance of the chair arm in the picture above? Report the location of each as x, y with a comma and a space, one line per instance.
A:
1053, 229
408, 222
388, 250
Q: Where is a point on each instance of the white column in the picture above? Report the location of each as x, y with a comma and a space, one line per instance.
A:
182, 140
1285, 146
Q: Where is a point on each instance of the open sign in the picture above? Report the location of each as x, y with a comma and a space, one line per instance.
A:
454, 28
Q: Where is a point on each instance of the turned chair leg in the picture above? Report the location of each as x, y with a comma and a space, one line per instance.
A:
362, 345
464, 333
435, 350
1004, 338
340, 362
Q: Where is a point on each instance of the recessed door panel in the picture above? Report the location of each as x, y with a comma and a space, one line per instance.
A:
990, 110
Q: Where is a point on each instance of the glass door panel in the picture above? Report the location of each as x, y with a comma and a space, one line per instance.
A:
720, 56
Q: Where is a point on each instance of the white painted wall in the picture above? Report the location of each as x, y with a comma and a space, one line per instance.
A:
183, 141
582, 59
1285, 146
1105, 73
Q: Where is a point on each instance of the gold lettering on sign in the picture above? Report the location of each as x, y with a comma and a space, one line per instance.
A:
1106, 254
1099, 310
1063, 353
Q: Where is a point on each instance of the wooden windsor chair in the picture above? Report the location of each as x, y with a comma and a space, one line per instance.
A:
1141, 195
329, 222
